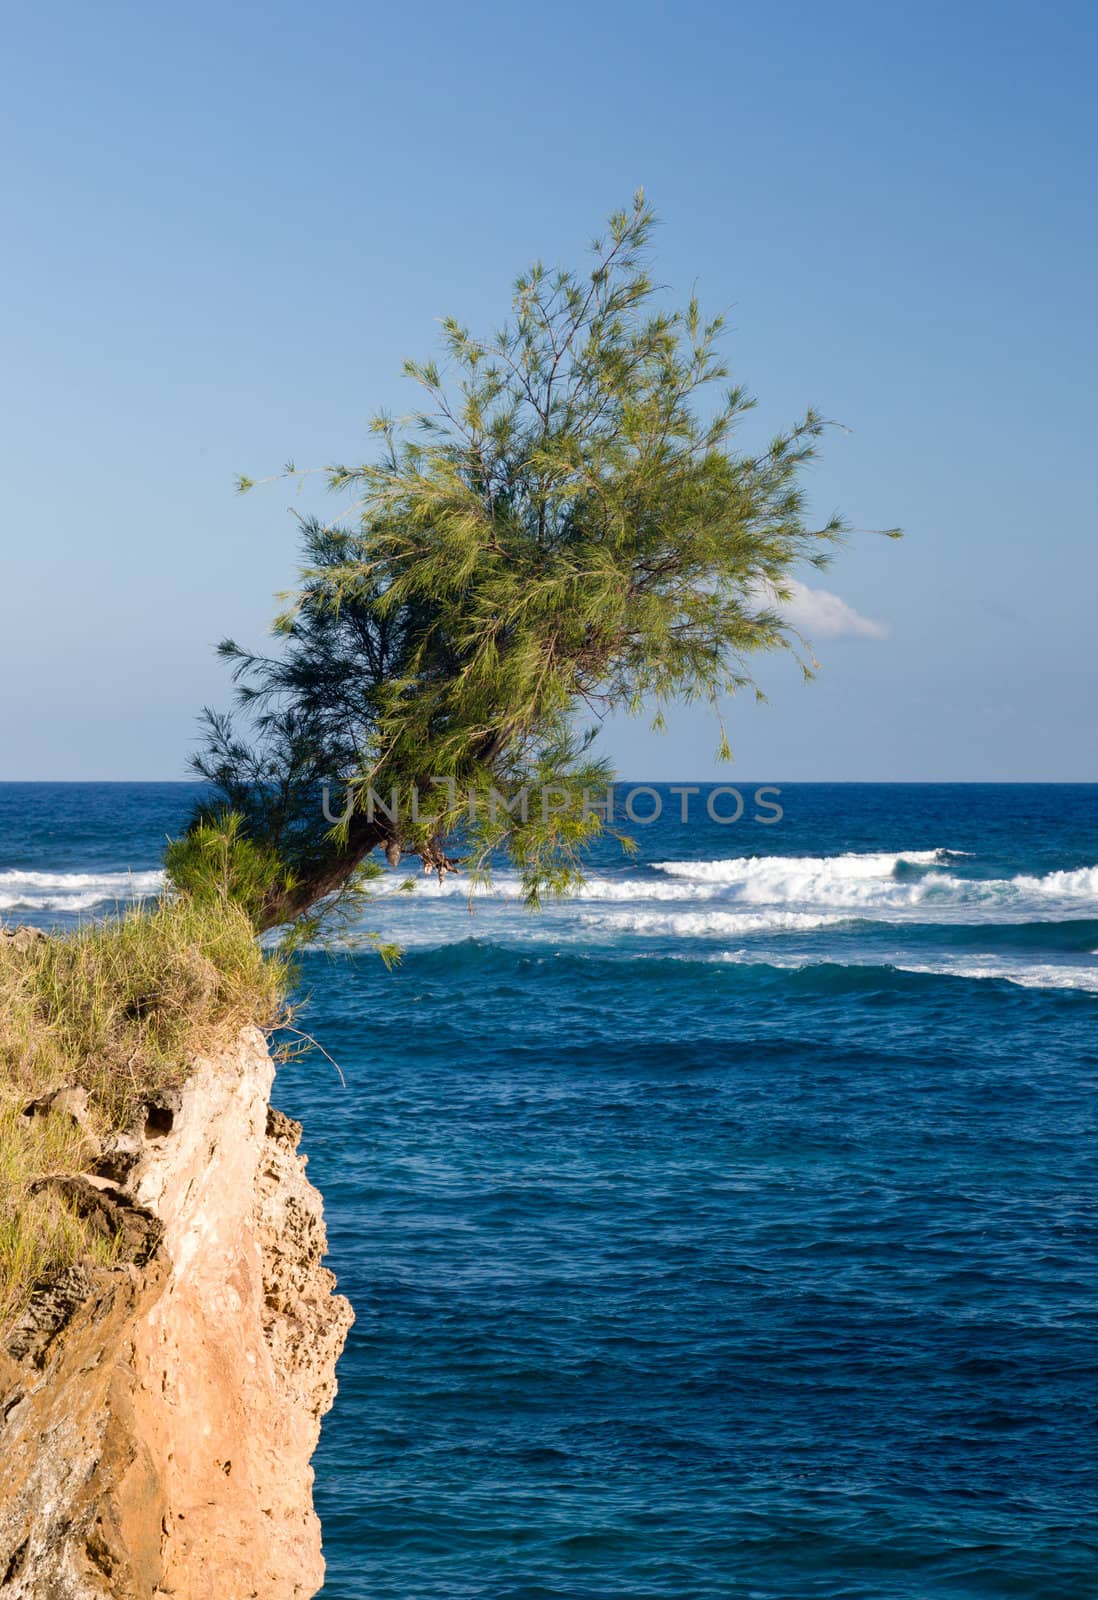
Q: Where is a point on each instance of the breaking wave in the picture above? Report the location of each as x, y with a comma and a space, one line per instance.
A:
694, 924
74, 891
882, 883
1037, 975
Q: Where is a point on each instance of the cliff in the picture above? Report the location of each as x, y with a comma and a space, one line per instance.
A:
158, 1414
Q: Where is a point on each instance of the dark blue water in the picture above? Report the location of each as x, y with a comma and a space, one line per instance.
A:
729, 1231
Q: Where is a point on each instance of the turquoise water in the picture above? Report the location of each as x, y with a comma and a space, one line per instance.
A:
728, 1231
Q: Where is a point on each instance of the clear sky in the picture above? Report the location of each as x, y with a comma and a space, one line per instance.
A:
226, 226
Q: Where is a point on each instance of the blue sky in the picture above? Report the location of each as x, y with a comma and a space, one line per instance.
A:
226, 226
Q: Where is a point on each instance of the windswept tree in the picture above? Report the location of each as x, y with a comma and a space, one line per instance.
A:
564, 529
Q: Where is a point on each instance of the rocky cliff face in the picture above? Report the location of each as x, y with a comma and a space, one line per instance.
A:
157, 1418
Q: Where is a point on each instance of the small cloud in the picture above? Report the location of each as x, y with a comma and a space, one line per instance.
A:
819, 614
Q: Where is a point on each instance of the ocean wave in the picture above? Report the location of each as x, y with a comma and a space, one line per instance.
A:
74, 891
739, 895
764, 879
508, 886
880, 885
1041, 975
852, 866
1082, 884
695, 924
453, 955
883, 883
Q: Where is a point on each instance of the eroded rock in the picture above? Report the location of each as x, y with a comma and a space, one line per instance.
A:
157, 1417
21, 938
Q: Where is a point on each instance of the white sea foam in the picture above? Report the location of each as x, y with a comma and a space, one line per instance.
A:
892, 887
508, 886
853, 879
1081, 884
1042, 975
853, 866
73, 891
765, 880
875, 883
1038, 975
700, 924
618, 889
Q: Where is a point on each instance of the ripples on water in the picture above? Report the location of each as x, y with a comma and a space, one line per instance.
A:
729, 1231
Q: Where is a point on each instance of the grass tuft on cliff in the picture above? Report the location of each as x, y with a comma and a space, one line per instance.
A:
118, 1009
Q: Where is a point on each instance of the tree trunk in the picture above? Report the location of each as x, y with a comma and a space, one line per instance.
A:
285, 905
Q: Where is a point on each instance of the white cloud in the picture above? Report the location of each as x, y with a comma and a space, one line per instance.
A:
819, 614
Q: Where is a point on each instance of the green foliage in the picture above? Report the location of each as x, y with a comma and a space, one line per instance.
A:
217, 862
565, 529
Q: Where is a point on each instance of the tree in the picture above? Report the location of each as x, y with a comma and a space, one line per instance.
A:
561, 530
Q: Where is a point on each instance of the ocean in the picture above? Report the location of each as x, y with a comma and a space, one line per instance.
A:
726, 1230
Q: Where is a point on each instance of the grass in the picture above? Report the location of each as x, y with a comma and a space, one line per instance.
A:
119, 1008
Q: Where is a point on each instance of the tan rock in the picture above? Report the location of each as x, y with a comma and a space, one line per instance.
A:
71, 1102
157, 1419
24, 937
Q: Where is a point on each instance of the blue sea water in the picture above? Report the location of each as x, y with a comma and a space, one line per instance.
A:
728, 1230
